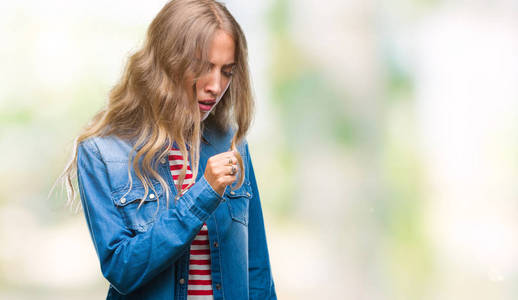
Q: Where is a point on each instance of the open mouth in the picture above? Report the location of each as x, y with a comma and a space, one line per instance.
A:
206, 105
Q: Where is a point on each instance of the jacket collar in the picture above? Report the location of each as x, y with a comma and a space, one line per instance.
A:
216, 138
211, 136
205, 138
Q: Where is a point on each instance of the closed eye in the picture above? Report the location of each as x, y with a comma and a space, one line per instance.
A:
228, 70
227, 73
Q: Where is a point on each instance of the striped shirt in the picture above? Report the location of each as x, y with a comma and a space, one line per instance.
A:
200, 280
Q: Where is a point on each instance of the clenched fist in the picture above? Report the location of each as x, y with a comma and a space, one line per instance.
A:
221, 171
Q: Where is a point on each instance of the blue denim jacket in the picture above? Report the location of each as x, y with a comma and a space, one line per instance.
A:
145, 254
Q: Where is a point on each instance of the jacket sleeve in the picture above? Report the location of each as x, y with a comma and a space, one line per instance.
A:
130, 260
261, 285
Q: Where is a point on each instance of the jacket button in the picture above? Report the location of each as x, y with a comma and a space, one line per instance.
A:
151, 196
248, 194
216, 244
162, 161
182, 281
123, 200
232, 193
218, 286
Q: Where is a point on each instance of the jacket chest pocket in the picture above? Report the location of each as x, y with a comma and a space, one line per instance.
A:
138, 215
238, 202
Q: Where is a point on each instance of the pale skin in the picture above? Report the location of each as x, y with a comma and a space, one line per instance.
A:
209, 86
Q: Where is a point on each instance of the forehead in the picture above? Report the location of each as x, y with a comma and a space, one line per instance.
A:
222, 48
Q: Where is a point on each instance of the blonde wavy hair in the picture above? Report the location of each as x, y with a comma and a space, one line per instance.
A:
150, 105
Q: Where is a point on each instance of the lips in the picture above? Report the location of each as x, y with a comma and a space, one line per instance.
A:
205, 105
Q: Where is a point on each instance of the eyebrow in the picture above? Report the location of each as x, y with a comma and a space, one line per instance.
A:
230, 64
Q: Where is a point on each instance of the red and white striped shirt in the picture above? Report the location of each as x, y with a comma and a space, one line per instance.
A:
200, 280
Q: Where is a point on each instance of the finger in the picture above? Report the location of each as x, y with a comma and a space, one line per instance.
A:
229, 179
234, 169
233, 153
229, 158
225, 156
229, 170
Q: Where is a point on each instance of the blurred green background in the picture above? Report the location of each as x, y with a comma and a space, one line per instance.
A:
384, 142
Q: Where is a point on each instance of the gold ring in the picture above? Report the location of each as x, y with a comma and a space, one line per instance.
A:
230, 161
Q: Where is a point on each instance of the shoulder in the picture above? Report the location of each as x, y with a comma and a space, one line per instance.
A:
107, 148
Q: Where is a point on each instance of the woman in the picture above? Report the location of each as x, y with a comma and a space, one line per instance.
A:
161, 229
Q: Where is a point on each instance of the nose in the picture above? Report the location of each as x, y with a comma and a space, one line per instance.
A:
213, 85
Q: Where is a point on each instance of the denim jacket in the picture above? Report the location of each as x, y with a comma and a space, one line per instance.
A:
144, 253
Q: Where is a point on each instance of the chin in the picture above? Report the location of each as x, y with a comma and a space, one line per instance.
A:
204, 115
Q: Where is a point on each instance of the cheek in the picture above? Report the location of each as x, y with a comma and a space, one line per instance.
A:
196, 89
224, 84
199, 87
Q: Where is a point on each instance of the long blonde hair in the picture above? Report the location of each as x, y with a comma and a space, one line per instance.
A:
150, 105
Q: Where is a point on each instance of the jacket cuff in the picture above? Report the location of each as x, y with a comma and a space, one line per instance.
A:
202, 199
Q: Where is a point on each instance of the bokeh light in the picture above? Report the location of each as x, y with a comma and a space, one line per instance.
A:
385, 142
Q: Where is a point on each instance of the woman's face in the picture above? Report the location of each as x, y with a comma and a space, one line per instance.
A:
211, 85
